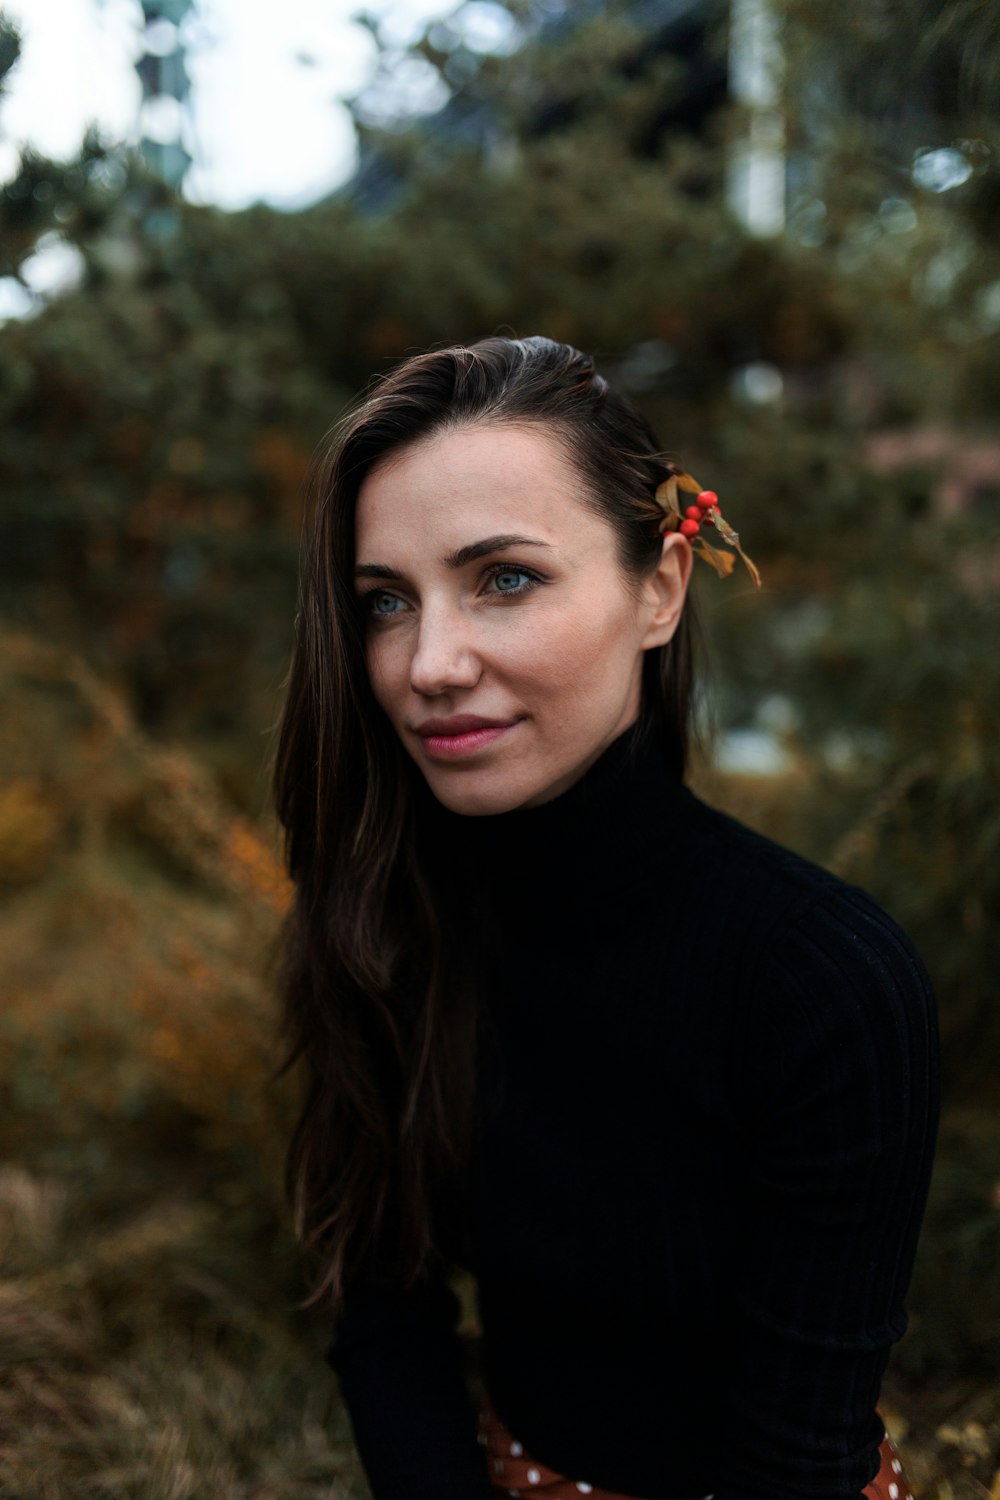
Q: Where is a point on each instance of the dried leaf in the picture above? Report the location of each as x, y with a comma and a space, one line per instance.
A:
688, 484
666, 496
751, 568
732, 537
724, 529
722, 562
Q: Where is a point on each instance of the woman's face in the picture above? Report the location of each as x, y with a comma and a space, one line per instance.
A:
502, 640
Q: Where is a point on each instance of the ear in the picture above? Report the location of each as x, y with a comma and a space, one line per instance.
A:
665, 590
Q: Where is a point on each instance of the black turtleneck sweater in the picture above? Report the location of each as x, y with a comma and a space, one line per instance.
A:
709, 1115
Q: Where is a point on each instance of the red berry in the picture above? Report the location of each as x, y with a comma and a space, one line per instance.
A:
693, 513
689, 528
707, 499
708, 518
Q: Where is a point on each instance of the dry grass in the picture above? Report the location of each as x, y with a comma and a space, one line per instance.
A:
148, 1350
149, 1343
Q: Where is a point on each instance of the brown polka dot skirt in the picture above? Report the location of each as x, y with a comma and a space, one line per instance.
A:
515, 1473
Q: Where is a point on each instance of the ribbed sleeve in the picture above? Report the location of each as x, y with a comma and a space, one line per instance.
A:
399, 1363
839, 1171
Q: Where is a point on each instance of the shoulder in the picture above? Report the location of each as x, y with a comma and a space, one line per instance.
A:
744, 857
834, 1026
821, 943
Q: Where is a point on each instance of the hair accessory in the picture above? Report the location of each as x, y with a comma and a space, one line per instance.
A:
704, 512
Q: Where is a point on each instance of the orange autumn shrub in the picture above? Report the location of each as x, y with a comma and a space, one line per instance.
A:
136, 951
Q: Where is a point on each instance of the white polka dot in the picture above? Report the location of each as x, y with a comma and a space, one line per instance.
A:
533, 1476
514, 1494
481, 1438
897, 1467
584, 1489
516, 1450
893, 1491
498, 1465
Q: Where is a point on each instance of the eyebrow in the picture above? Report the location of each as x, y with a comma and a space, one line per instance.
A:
458, 559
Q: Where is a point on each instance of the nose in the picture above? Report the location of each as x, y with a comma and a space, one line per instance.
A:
444, 655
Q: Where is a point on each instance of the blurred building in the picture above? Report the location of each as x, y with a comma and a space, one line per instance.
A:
676, 30
166, 123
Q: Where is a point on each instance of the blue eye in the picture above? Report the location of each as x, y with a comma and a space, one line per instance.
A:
378, 598
506, 580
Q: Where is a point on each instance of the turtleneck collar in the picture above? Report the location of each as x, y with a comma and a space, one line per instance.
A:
602, 833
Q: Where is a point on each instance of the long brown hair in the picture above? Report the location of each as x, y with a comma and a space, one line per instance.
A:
377, 1007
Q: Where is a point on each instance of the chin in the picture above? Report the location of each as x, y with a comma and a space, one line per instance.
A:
460, 794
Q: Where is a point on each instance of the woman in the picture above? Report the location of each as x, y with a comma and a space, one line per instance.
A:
667, 1089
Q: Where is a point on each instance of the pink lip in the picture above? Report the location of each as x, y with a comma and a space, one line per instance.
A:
450, 739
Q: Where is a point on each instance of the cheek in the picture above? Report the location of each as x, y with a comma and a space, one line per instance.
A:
579, 653
383, 666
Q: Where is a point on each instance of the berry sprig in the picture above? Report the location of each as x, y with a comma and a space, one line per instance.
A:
704, 512
700, 511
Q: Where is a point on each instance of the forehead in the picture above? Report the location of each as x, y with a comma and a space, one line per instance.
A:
495, 475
